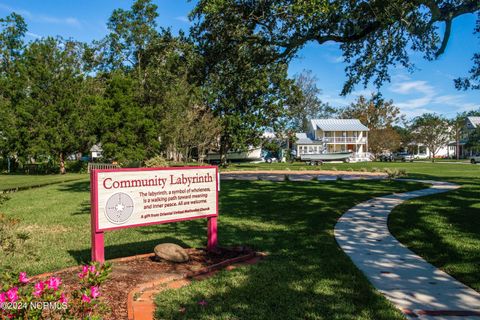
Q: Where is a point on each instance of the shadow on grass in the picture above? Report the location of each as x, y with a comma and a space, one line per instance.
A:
78, 186
306, 275
125, 250
444, 229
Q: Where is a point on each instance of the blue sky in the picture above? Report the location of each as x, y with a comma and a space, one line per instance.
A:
428, 89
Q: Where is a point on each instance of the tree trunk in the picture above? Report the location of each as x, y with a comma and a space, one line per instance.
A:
458, 146
62, 164
223, 151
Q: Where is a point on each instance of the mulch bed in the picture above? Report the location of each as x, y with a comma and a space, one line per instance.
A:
128, 273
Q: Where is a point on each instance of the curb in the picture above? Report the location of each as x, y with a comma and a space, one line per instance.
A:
140, 301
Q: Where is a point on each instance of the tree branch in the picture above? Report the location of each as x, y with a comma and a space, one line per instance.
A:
446, 36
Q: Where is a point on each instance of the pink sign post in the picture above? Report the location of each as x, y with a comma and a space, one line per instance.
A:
127, 198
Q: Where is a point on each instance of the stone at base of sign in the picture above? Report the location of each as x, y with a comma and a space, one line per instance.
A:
171, 252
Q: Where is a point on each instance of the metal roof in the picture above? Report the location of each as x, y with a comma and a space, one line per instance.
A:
302, 138
96, 148
338, 125
475, 121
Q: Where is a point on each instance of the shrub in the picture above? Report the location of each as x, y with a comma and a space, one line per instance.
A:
395, 173
76, 166
156, 162
23, 298
375, 169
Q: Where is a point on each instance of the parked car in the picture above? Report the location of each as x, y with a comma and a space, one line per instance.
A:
475, 159
402, 156
421, 156
386, 157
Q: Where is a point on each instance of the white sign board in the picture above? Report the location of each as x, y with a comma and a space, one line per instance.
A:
125, 198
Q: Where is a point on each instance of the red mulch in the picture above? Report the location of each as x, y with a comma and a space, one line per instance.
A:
129, 273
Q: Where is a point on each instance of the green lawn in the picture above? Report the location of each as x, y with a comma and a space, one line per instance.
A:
13, 181
423, 168
305, 276
445, 229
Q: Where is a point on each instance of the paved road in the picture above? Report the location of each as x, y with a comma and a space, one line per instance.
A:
297, 177
416, 287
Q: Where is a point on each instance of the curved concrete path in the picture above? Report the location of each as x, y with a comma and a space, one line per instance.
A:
416, 287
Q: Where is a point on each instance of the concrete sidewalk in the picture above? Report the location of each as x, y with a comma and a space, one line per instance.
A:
416, 287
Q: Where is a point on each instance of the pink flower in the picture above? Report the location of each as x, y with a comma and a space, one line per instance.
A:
81, 275
38, 289
86, 298
85, 269
202, 303
63, 298
92, 269
3, 297
12, 294
94, 292
22, 277
54, 283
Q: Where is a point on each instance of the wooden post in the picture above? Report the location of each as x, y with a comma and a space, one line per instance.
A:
98, 247
212, 241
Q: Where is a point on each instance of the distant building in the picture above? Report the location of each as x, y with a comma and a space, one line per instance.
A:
96, 151
471, 124
334, 135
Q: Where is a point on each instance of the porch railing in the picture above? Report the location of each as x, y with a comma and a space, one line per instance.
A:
344, 140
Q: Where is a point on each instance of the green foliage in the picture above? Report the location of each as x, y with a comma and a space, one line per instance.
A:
431, 130
308, 105
246, 91
124, 127
373, 35
473, 140
394, 173
76, 166
379, 116
156, 162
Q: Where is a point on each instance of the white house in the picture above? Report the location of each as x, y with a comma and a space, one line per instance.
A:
334, 135
449, 151
96, 151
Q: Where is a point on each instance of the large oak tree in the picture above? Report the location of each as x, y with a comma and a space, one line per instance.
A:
373, 34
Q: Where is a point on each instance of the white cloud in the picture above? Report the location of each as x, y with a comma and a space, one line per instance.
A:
33, 35
182, 19
25, 13
427, 99
70, 21
333, 58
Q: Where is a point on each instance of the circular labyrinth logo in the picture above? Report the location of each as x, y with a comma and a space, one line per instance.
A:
119, 208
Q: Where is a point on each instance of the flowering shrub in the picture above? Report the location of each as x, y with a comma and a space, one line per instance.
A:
24, 298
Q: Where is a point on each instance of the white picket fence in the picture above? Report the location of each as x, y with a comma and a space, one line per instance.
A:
96, 166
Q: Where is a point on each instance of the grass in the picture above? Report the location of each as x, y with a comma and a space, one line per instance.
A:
305, 276
13, 181
445, 229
